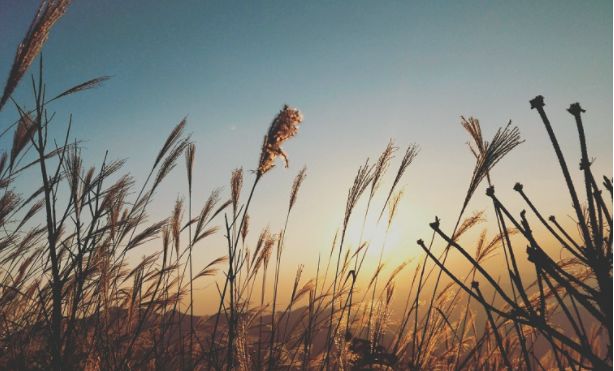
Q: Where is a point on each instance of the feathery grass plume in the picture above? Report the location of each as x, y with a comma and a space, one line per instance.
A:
74, 165
211, 268
236, 183
48, 13
468, 223
375, 275
410, 154
171, 140
149, 233
296, 185
361, 182
176, 223
485, 250
170, 161
394, 273
3, 159
34, 209
23, 133
472, 126
262, 237
284, 126
381, 166
189, 163
245, 228
488, 154
8, 202
207, 214
90, 84
392, 210
264, 249
379, 169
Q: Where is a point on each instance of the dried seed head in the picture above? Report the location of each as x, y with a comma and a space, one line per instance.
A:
284, 126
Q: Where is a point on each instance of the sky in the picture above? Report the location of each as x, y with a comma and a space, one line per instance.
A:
361, 72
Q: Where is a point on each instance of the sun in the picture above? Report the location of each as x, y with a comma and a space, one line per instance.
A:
379, 235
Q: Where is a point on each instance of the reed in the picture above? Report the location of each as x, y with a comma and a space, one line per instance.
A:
88, 281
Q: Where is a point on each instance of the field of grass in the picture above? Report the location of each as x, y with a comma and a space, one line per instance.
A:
71, 299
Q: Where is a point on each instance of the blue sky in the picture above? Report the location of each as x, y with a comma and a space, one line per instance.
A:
361, 72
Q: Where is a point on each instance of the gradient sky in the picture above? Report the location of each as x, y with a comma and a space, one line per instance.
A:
361, 72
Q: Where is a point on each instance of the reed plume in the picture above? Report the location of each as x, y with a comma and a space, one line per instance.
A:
296, 185
189, 163
236, 183
488, 154
48, 13
410, 154
284, 126
90, 84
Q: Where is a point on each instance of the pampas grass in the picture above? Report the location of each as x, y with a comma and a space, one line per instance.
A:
70, 298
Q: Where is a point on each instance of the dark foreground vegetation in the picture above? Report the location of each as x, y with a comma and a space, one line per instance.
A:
71, 299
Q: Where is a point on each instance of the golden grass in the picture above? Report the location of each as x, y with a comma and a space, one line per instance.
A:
70, 300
